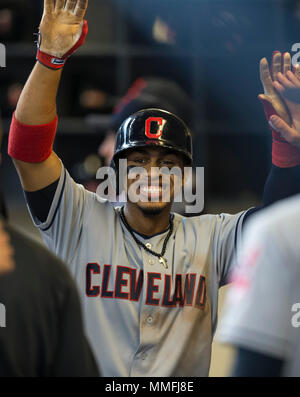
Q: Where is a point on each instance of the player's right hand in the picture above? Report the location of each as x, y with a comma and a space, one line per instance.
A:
61, 25
283, 114
271, 99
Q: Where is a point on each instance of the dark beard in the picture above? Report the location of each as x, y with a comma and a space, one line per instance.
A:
151, 211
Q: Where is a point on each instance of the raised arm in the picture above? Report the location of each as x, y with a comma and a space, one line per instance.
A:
283, 118
62, 31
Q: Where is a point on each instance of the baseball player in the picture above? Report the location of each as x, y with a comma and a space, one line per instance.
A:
148, 278
263, 304
145, 92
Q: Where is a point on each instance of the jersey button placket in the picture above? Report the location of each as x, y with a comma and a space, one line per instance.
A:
149, 258
147, 317
149, 321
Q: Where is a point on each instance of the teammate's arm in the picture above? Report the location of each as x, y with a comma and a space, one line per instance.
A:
60, 29
282, 112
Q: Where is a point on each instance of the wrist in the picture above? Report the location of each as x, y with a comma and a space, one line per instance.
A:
284, 155
54, 60
50, 61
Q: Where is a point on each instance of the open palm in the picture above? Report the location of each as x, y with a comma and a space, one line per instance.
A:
276, 83
61, 25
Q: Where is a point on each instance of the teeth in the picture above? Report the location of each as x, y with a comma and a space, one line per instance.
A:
151, 189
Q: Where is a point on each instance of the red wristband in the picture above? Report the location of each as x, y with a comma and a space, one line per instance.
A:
31, 143
284, 155
50, 61
55, 63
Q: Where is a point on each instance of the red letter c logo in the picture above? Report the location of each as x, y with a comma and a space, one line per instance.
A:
160, 121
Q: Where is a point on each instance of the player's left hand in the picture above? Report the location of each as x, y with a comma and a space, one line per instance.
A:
283, 114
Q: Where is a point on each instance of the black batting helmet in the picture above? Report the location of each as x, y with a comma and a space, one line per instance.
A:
154, 127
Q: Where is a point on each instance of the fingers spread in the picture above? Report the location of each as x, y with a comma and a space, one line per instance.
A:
48, 6
293, 79
286, 62
297, 71
278, 86
284, 81
70, 5
266, 77
276, 64
59, 5
80, 8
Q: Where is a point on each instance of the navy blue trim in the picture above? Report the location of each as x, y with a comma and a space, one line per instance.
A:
236, 231
153, 235
58, 204
250, 212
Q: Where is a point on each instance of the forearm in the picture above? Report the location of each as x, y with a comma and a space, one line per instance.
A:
37, 103
280, 184
33, 130
62, 31
282, 116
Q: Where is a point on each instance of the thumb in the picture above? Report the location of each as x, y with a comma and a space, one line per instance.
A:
267, 105
287, 132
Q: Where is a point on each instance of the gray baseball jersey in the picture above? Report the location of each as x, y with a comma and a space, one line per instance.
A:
263, 304
143, 319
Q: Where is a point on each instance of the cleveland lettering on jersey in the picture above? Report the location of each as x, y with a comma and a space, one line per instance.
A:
188, 289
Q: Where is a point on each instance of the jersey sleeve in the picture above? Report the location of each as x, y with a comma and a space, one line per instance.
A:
68, 214
258, 305
226, 240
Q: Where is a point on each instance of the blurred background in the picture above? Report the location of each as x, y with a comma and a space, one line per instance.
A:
198, 58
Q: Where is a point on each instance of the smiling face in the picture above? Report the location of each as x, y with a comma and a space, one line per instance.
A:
155, 188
